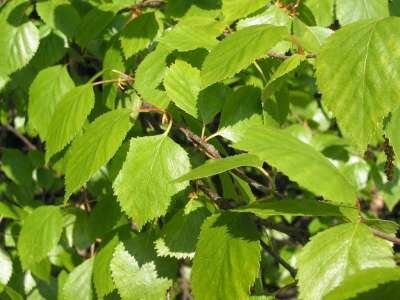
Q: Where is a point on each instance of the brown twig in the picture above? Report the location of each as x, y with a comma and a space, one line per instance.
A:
217, 199
292, 271
22, 138
297, 234
386, 236
213, 153
283, 56
149, 4
201, 143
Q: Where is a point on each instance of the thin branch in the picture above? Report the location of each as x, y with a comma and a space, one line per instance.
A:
22, 138
251, 181
292, 271
217, 199
201, 143
283, 56
150, 4
118, 80
213, 153
386, 236
297, 234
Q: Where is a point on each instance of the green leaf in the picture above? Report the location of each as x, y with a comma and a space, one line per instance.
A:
134, 282
93, 149
311, 38
364, 281
144, 185
113, 60
150, 74
18, 44
79, 282
93, 24
349, 11
59, 15
239, 115
10, 211
101, 269
138, 34
216, 166
347, 69
48, 88
322, 11
141, 247
239, 50
69, 116
17, 167
386, 226
228, 245
180, 234
40, 233
182, 83
274, 15
233, 10
337, 253
303, 207
52, 48
192, 33
211, 100
6, 268
393, 133
284, 68
300, 161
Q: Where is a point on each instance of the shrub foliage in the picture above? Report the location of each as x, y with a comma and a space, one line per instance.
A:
231, 149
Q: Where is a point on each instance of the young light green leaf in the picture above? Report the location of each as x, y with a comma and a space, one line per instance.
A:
179, 236
48, 88
216, 166
364, 281
68, 118
347, 71
40, 233
138, 34
102, 279
6, 268
150, 74
18, 44
144, 186
242, 110
349, 11
233, 10
238, 51
300, 161
182, 83
350, 248
274, 15
136, 282
192, 33
219, 264
79, 282
93, 149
